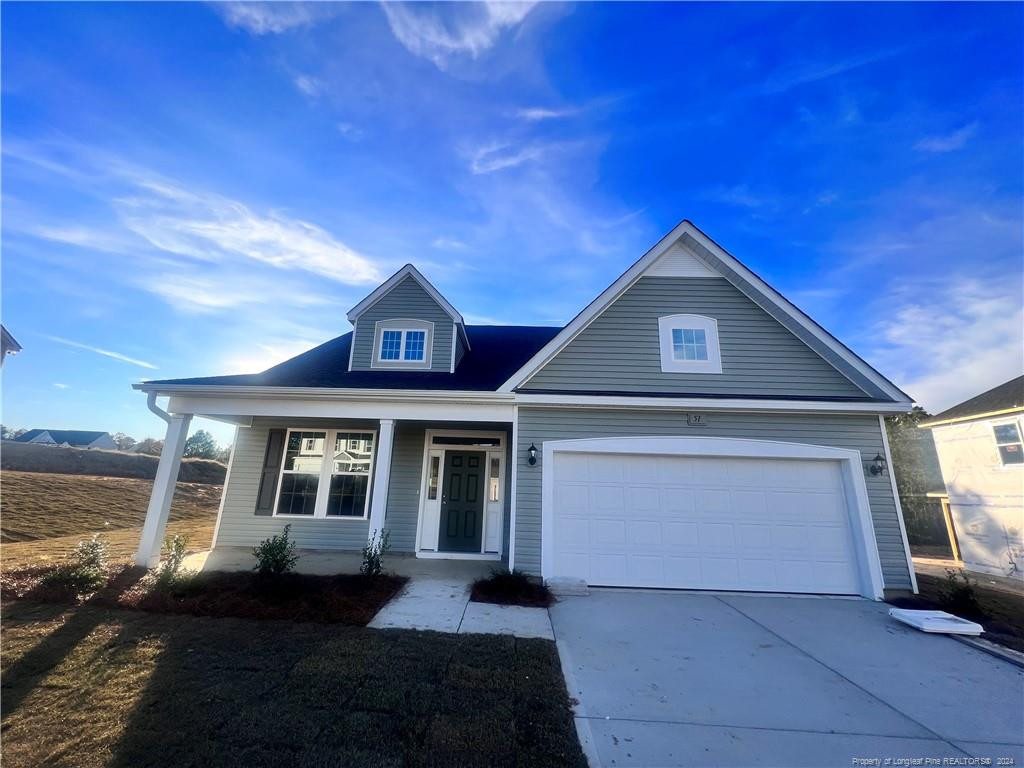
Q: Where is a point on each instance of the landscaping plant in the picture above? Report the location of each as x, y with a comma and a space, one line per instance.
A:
275, 556
505, 587
170, 572
958, 595
373, 554
85, 570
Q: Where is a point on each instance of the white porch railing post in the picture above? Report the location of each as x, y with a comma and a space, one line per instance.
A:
381, 477
148, 554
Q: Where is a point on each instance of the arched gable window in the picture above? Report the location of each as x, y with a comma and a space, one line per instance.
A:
689, 344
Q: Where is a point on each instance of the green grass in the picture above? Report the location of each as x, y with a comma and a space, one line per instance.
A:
95, 687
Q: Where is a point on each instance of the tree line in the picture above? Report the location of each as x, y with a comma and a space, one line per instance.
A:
199, 445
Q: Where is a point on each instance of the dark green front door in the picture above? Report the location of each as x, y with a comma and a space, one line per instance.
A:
462, 502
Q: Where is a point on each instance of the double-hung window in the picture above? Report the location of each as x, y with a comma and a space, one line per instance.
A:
326, 474
1011, 448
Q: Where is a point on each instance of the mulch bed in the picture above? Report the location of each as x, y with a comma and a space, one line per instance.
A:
341, 599
1001, 613
511, 589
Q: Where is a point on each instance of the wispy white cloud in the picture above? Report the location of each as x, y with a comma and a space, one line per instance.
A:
207, 226
274, 18
439, 32
952, 338
448, 244
740, 196
257, 358
201, 293
83, 237
498, 156
58, 385
811, 72
101, 351
308, 84
538, 114
349, 131
955, 140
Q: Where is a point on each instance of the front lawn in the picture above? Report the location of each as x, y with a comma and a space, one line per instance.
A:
1001, 613
91, 686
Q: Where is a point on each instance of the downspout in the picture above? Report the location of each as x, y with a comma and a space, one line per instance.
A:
151, 404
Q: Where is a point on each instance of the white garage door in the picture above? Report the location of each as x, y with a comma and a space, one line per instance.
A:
778, 525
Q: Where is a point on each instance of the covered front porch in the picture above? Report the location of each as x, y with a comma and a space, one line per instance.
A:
436, 477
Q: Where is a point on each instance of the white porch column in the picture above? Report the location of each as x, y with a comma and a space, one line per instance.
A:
381, 477
148, 554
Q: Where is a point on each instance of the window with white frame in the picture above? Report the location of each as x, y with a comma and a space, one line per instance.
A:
326, 474
1008, 442
402, 344
689, 344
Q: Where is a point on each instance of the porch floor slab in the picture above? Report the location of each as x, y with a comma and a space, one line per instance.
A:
517, 620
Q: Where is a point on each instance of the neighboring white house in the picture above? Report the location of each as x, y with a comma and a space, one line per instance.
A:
979, 443
76, 438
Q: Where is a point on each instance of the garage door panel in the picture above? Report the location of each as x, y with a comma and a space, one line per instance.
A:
703, 523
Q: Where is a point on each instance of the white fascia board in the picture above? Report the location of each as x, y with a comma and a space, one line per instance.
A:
324, 393
409, 271
451, 410
631, 275
706, 404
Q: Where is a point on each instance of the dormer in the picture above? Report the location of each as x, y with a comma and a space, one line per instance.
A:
406, 325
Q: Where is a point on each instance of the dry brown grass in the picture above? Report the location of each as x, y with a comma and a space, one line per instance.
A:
91, 687
45, 515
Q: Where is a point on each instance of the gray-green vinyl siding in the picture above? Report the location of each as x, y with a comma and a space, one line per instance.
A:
620, 350
240, 526
406, 299
858, 432
785, 319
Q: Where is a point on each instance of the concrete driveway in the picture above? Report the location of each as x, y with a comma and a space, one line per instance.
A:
666, 679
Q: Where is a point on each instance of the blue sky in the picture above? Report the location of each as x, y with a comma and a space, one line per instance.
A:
195, 189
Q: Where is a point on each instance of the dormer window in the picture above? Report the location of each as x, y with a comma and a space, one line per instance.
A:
689, 344
403, 344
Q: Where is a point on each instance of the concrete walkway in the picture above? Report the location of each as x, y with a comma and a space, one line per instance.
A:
671, 679
443, 605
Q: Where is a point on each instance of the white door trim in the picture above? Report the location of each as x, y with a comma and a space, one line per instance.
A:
855, 489
426, 535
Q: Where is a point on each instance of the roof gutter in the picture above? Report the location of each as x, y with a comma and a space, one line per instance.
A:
325, 393
973, 417
151, 404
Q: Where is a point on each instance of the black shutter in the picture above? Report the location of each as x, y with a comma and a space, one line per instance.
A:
271, 470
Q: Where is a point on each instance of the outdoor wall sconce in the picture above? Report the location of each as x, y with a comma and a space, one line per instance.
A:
531, 453
877, 465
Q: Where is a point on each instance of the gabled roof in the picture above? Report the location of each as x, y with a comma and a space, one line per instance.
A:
10, 343
745, 280
496, 352
1005, 398
61, 436
382, 290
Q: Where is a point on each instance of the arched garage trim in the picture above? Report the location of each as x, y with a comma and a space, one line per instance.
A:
855, 491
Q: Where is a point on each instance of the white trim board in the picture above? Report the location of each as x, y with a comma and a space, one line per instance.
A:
641, 266
862, 528
891, 472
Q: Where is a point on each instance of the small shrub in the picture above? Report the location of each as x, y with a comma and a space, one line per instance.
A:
85, 570
505, 587
373, 554
958, 594
275, 556
170, 573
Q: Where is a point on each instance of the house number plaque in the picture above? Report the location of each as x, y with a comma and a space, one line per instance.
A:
695, 420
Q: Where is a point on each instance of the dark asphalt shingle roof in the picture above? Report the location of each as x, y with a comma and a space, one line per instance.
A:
1001, 398
69, 436
497, 351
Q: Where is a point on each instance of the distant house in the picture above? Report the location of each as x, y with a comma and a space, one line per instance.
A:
8, 344
982, 458
76, 438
